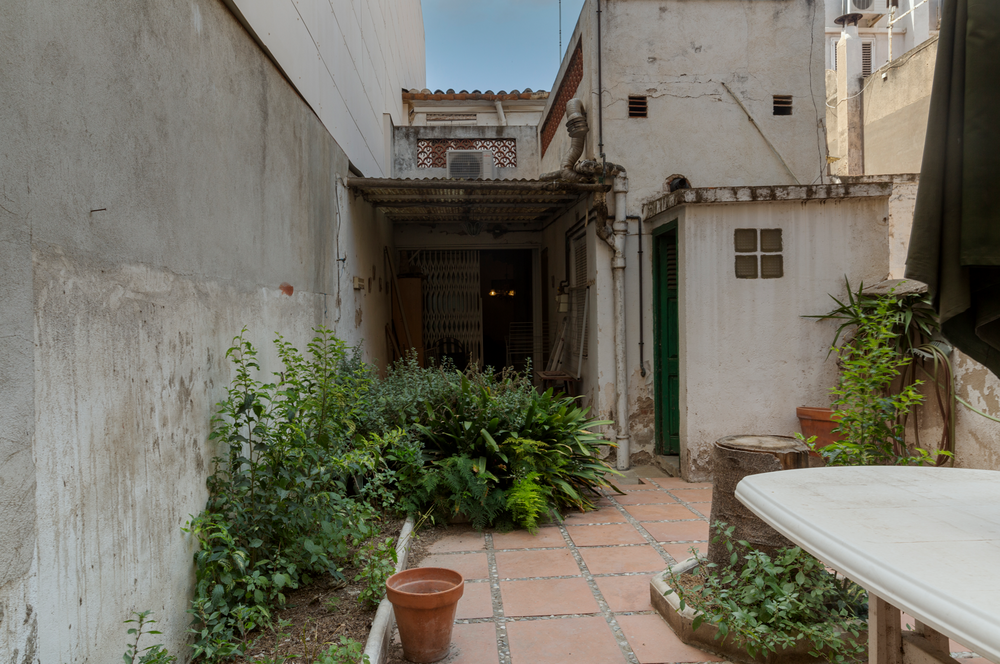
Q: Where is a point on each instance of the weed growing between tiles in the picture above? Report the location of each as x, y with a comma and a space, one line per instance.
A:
315, 461
767, 604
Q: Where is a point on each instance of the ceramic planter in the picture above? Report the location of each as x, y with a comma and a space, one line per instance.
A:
682, 623
819, 422
424, 601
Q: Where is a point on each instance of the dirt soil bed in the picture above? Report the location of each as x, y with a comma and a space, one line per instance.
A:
319, 613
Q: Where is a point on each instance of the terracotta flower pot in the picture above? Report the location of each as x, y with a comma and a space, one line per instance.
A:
819, 422
424, 601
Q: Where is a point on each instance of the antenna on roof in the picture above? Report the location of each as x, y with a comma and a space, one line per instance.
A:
560, 32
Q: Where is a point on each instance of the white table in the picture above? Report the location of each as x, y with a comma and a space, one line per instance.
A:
923, 540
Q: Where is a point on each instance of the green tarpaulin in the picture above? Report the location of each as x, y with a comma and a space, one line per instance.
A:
955, 242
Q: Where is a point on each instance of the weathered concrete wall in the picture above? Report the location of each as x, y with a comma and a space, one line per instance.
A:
895, 112
162, 182
747, 357
405, 149
678, 54
348, 60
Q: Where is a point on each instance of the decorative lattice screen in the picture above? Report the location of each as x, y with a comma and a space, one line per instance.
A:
433, 152
453, 304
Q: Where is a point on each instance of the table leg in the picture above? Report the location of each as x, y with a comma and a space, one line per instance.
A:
885, 645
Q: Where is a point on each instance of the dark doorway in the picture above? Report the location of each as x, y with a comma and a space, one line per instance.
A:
505, 283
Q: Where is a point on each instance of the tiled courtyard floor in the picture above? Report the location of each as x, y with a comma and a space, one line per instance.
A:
579, 591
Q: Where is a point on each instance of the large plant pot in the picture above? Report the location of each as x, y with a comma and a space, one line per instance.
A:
424, 601
819, 422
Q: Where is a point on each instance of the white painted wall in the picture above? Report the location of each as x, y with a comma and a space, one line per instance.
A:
678, 53
747, 357
161, 181
348, 59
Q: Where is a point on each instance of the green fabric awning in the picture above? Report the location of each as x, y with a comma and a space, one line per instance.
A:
955, 241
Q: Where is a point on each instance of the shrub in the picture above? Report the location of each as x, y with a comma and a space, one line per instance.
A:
774, 603
294, 486
496, 450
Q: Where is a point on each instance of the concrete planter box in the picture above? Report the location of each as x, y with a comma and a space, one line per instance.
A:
681, 622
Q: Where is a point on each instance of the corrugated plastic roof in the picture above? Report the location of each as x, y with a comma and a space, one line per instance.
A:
517, 204
465, 95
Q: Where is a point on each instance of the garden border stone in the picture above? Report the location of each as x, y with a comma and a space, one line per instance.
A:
377, 645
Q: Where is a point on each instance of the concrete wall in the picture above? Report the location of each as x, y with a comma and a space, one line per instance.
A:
162, 182
895, 112
747, 357
678, 54
348, 60
405, 149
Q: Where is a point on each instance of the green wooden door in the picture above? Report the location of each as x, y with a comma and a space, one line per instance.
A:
666, 381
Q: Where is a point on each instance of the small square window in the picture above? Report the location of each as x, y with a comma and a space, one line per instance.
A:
745, 240
636, 106
782, 104
770, 240
771, 267
746, 267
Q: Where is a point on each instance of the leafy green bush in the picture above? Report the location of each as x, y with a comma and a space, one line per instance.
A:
871, 399
495, 449
155, 654
295, 485
772, 604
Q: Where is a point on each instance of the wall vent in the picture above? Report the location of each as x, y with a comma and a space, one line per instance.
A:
636, 106
782, 104
471, 165
866, 58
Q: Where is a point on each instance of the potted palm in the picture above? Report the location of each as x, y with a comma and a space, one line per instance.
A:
888, 333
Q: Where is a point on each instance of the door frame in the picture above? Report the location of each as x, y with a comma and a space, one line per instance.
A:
661, 428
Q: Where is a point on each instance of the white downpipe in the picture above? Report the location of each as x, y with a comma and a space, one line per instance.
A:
501, 118
618, 272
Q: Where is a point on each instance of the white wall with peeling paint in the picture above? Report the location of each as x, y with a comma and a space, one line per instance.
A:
163, 186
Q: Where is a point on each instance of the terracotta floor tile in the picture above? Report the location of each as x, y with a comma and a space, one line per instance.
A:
626, 593
561, 640
522, 539
662, 512
607, 514
622, 559
615, 533
469, 565
680, 531
678, 483
682, 551
476, 602
645, 498
693, 495
475, 643
547, 597
631, 488
523, 564
462, 540
705, 509
653, 642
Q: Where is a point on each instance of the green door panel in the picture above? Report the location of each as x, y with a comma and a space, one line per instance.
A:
666, 377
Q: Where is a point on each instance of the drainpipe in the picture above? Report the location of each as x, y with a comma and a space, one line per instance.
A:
618, 273
500, 115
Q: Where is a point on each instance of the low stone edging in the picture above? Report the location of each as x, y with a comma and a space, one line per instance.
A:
377, 645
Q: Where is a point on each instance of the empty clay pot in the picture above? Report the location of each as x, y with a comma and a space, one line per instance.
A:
424, 601
819, 422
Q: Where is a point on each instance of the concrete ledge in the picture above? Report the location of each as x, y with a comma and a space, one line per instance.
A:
378, 638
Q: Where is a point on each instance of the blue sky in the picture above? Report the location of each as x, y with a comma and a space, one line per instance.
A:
495, 44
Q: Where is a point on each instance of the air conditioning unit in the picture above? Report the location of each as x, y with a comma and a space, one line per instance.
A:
870, 10
471, 165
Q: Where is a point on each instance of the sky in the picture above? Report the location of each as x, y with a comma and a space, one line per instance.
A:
495, 44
